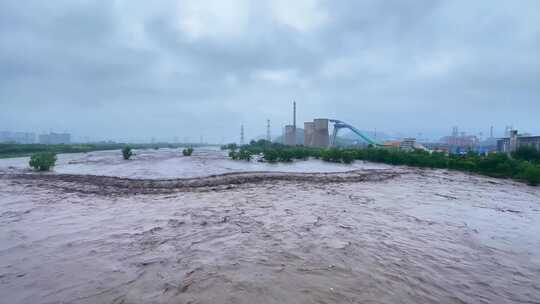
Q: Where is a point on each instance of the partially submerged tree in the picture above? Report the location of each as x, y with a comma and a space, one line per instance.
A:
43, 161
188, 151
127, 153
244, 155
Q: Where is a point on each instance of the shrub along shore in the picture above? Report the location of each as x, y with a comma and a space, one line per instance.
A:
523, 165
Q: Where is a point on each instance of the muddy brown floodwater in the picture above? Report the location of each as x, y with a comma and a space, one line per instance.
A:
387, 235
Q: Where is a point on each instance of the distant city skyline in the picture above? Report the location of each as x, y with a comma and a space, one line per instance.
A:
498, 133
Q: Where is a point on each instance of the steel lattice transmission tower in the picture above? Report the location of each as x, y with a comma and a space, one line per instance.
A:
268, 136
242, 135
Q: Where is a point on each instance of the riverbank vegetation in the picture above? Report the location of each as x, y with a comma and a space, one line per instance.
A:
524, 164
19, 150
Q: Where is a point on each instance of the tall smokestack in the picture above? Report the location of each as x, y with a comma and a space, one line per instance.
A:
294, 115
294, 121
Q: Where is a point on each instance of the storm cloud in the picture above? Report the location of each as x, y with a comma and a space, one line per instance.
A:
138, 69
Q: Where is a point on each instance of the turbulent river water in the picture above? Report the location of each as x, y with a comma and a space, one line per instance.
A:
377, 234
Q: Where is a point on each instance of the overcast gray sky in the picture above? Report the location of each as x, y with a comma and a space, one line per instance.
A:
139, 69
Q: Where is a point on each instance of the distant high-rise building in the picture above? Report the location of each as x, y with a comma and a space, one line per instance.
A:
55, 138
17, 137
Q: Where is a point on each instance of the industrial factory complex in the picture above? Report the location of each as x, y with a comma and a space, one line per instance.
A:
324, 132
316, 133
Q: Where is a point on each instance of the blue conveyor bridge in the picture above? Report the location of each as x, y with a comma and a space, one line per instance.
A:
338, 125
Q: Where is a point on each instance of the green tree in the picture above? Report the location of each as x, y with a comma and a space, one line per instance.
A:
347, 156
285, 155
527, 153
187, 152
532, 175
233, 155
244, 155
270, 155
127, 153
43, 161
